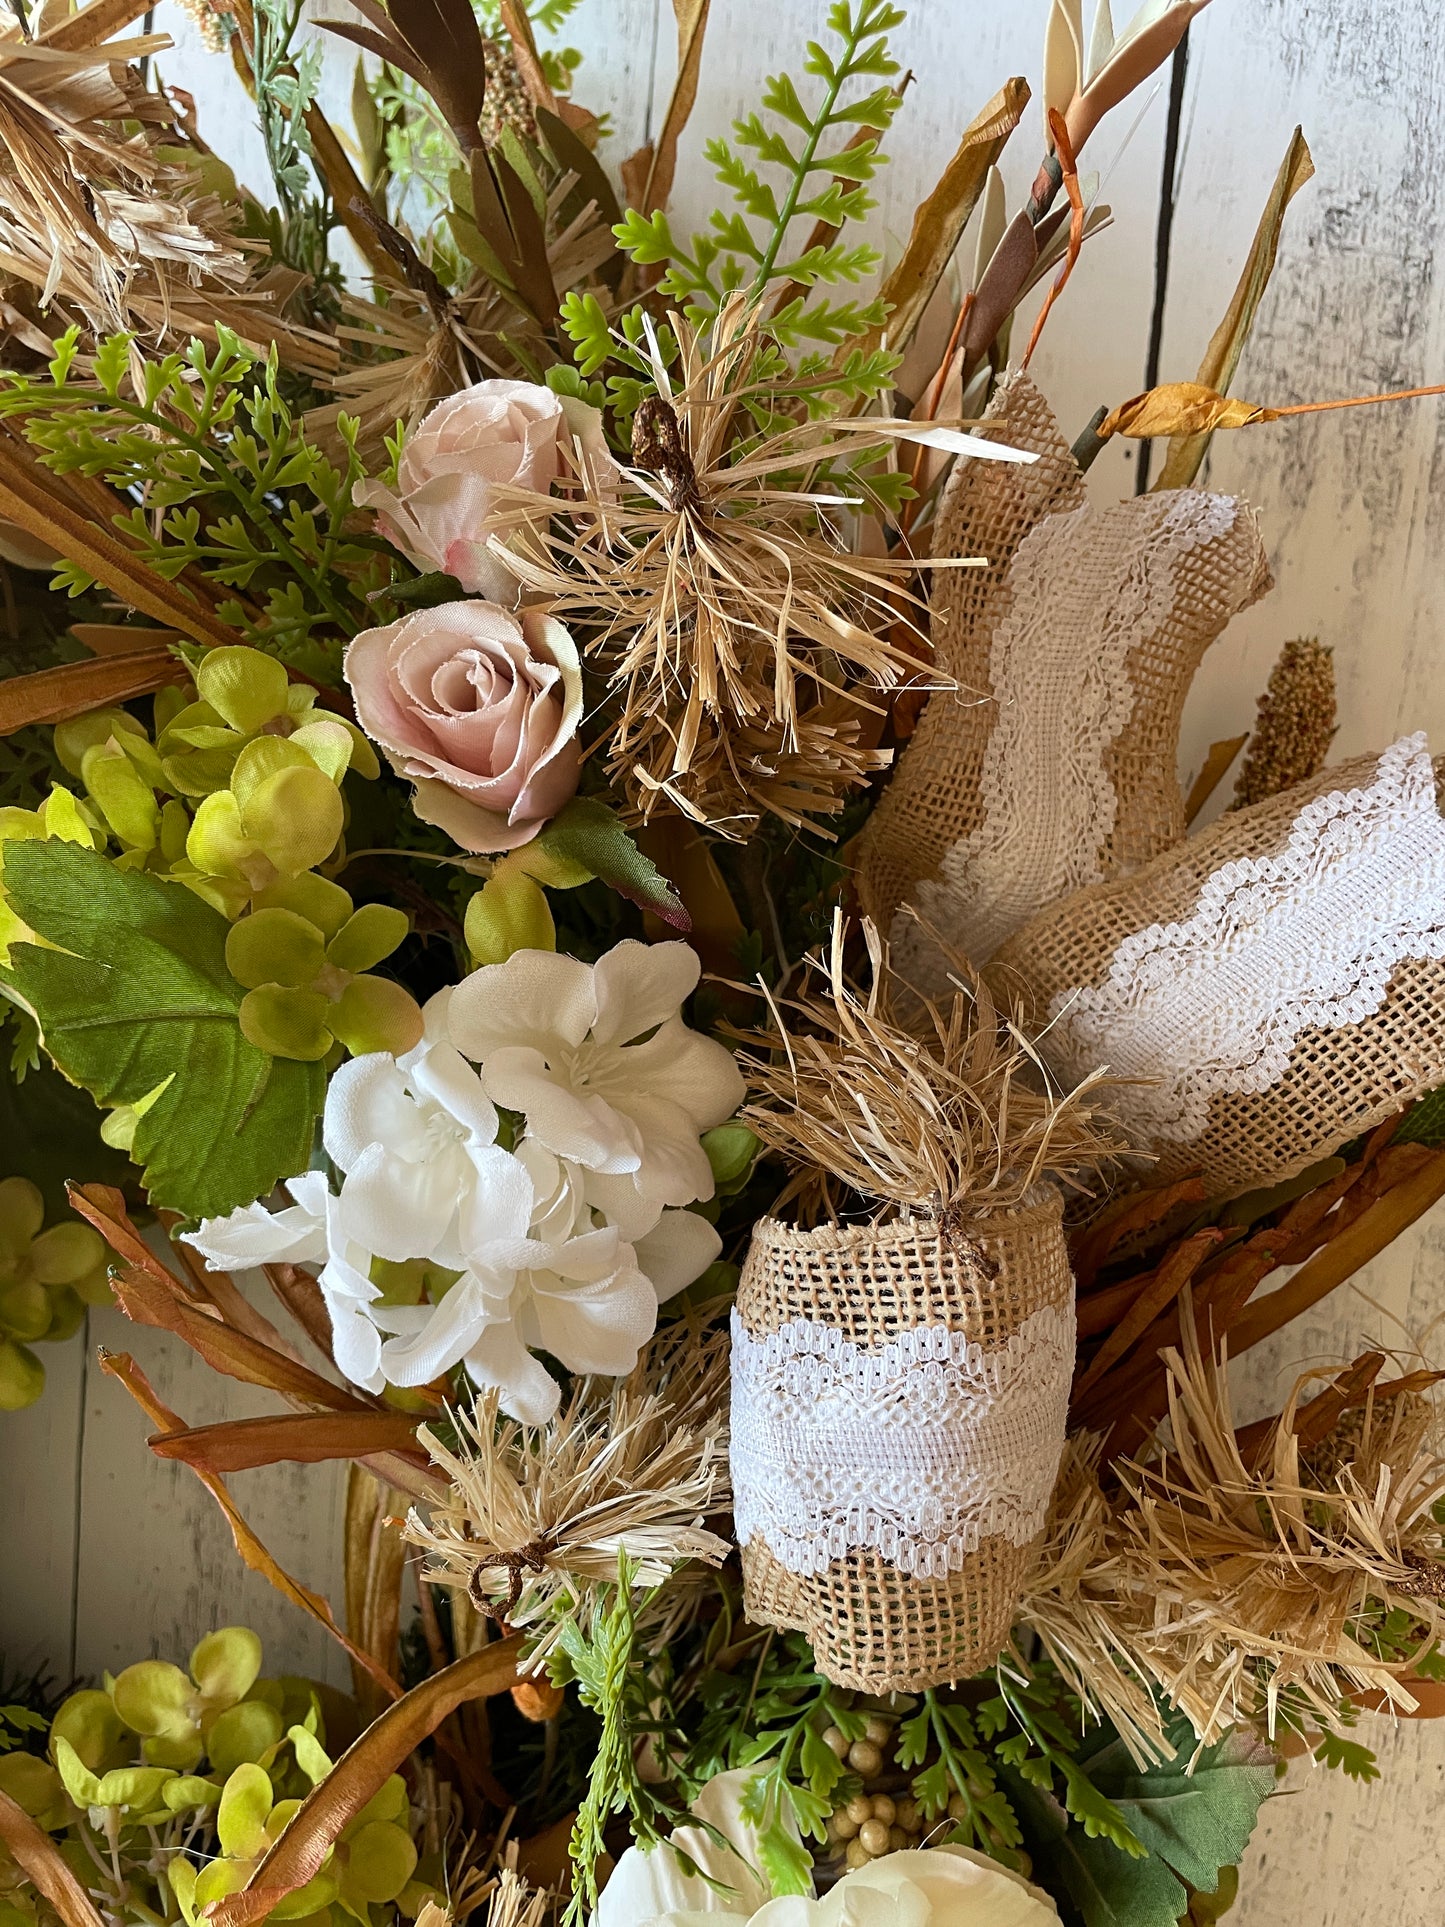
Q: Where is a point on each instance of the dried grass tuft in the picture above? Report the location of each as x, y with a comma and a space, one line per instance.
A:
740, 635
950, 1115
1229, 1588
538, 1515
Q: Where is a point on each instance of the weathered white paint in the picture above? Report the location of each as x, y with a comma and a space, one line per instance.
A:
108, 1555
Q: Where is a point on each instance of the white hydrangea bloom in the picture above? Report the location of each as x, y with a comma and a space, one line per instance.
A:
555, 1251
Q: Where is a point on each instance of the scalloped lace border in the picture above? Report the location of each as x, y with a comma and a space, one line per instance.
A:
919, 1448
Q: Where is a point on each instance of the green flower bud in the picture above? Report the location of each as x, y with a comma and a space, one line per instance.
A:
296, 818
369, 936
731, 1149
286, 1022
372, 1013
24, 1310
509, 913
89, 1723
66, 1252
226, 1664
274, 947
248, 689
77, 734
22, 1213
242, 1733
319, 900
22, 1378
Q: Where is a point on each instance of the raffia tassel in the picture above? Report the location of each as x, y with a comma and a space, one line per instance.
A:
1217, 1582
1295, 724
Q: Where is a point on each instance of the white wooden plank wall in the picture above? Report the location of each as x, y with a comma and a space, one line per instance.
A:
109, 1555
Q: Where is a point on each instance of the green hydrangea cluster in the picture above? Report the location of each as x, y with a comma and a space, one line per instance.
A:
48, 1275
238, 796
173, 1784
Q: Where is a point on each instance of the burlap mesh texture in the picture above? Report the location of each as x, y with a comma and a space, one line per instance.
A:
1082, 635
1339, 1083
872, 1627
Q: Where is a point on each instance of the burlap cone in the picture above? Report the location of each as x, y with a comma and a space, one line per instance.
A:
1054, 764
1000, 1288
1178, 977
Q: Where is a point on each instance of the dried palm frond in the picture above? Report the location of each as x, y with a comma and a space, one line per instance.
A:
427, 342
539, 1515
1228, 1584
949, 1114
738, 632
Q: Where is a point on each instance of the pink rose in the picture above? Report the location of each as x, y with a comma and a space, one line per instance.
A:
479, 707
497, 434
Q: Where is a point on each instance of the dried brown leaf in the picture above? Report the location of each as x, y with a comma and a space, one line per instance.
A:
39, 1858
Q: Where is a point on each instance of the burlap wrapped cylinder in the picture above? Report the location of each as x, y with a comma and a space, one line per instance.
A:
1053, 765
1197, 975
985, 1444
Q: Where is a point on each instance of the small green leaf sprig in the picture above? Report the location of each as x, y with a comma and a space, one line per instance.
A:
222, 479
824, 159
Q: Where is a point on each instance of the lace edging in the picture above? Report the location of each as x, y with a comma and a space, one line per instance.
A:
1307, 938
920, 1448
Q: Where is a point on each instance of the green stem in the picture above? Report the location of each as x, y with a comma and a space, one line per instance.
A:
805, 161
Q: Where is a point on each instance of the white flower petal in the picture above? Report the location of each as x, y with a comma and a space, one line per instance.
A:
367, 1103
442, 1074
495, 1206
680, 1249
355, 1343
639, 986
674, 1167
592, 1327
399, 1210
646, 1888
255, 1236
450, 1331
499, 1360
535, 998
586, 1129
694, 1072
621, 1203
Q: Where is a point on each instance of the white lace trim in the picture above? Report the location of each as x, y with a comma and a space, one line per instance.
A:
920, 1448
1058, 668
1276, 945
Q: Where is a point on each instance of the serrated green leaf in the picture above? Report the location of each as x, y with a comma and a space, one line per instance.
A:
1190, 1825
588, 833
137, 995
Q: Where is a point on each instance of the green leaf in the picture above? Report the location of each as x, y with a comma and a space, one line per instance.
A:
1426, 1122
137, 995
1192, 1826
588, 833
